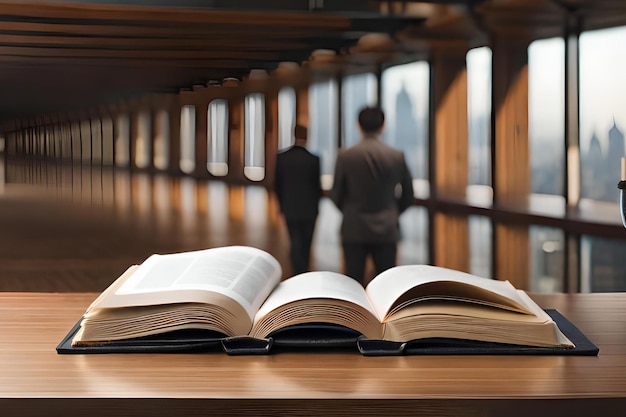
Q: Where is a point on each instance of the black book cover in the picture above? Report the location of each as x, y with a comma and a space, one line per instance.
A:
325, 337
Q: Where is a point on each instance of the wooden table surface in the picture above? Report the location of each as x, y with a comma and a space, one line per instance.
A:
35, 380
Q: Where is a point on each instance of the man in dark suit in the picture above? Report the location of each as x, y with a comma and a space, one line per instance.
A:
372, 187
298, 188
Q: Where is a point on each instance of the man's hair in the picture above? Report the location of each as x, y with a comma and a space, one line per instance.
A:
300, 132
371, 119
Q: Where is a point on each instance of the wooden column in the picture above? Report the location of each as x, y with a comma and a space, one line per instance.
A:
449, 147
133, 129
511, 164
174, 145
271, 135
202, 124
302, 105
236, 137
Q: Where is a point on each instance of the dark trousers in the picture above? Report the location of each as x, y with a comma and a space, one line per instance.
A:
355, 256
300, 237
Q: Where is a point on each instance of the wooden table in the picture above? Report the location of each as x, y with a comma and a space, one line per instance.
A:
34, 380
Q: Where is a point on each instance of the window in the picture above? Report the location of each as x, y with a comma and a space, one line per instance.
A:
547, 259
546, 115
96, 140
286, 117
161, 140
603, 264
122, 135
602, 111
85, 137
188, 139
323, 100
479, 115
413, 245
357, 92
480, 247
217, 151
143, 140
405, 97
107, 140
254, 158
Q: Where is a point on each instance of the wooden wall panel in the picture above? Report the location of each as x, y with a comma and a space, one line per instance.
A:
511, 163
450, 233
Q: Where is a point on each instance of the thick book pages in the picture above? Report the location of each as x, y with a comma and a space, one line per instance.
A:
322, 337
232, 299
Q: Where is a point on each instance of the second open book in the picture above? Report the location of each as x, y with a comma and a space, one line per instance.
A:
237, 291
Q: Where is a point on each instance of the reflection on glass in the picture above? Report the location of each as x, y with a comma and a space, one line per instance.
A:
603, 265
322, 141
357, 92
602, 111
254, 158
547, 259
405, 95
480, 248
217, 156
122, 135
188, 139
479, 115
162, 140
286, 116
546, 114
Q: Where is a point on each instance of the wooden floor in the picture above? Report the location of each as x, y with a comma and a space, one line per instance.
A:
76, 229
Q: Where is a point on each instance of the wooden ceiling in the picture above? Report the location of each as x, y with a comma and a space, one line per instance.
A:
64, 56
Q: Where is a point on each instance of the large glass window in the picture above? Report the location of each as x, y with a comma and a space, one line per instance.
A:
357, 92
107, 141
603, 264
96, 140
217, 151
143, 140
546, 115
323, 99
547, 259
254, 167
188, 139
405, 97
85, 136
480, 247
286, 116
161, 139
479, 115
413, 245
122, 135
602, 111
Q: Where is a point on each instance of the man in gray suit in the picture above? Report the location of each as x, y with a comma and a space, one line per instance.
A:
298, 188
372, 187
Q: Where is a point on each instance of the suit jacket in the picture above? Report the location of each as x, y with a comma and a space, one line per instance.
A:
297, 183
372, 187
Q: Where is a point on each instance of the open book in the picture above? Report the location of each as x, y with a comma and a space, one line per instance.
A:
237, 291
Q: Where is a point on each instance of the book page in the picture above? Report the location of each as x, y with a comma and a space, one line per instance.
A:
317, 284
317, 297
244, 274
385, 289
